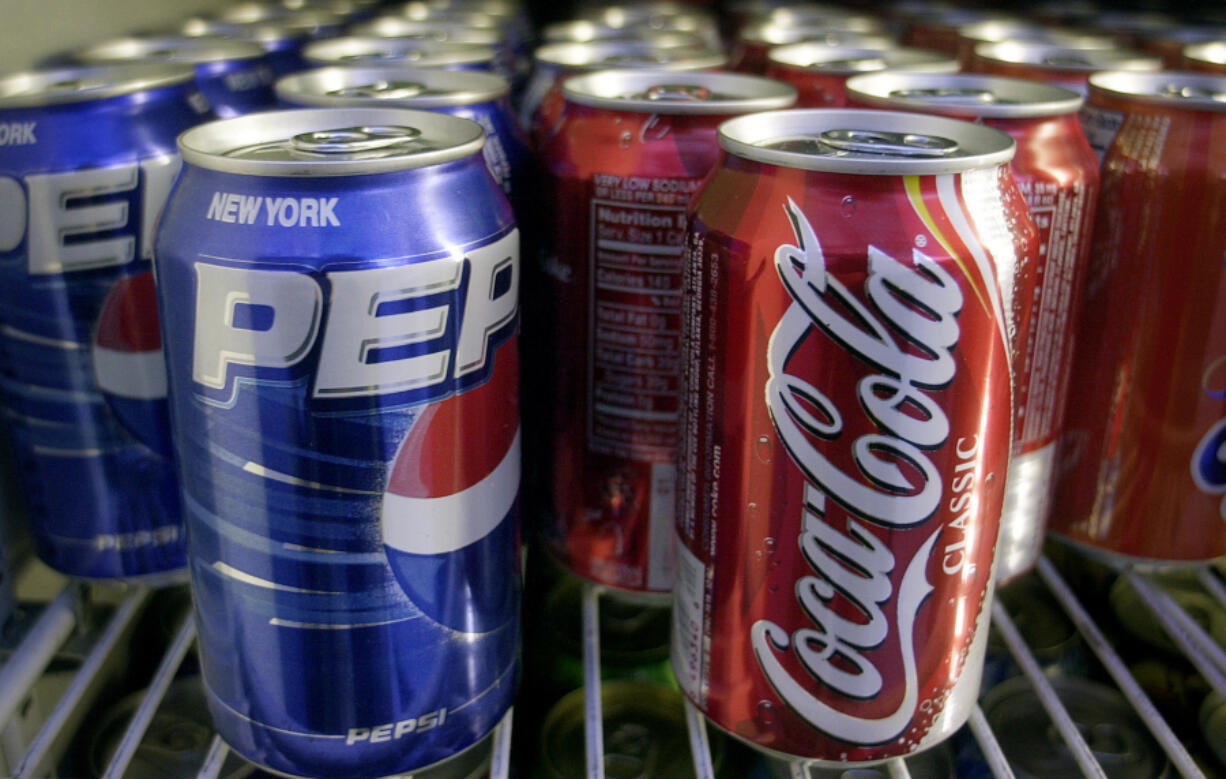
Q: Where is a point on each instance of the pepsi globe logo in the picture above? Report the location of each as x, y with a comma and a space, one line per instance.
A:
129, 368
450, 511
1209, 462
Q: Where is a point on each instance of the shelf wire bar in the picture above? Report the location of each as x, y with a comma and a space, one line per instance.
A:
992, 753
500, 761
36, 651
1212, 584
1200, 649
124, 616
700, 744
897, 769
593, 723
165, 674
214, 759
1144, 707
1047, 694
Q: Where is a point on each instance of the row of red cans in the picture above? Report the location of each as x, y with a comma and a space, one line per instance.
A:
841, 260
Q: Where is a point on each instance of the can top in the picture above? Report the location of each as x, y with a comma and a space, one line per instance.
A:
775, 34
1056, 57
585, 31
659, 16
1213, 52
849, 59
874, 143
429, 29
671, 93
424, 88
628, 54
951, 18
966, 94
82, 84
999, 30
821, 16
263, 33
408, 50
258, 13
1175, 89
330, 142
170, 48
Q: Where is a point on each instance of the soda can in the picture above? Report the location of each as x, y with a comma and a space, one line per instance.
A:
841, 471
997, 31
659, 17
585, 31
820, 73
937, 29
414, 52
87, 156
631, 149
1131, 26
542, 103
1170, 44
349, 10
505, 63
1054, 64
1058, 174
935, 763
752, 50
283, 39
1144, 469
1206, 57
342, 349
1035, 749
235, 76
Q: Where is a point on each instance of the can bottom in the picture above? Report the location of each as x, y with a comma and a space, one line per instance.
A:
155, 581
1119, 561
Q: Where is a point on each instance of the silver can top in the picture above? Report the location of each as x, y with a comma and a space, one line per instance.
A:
968, 95
999, 30
330, 142
428, 29
1178, 90
586, 31
1050, 56
874, 143
628, 54
264, 33
411, 51
59, 86
169, 48
775, 34
424, 88
1212, 53
846, 60
672, 93
259, 13
819, 16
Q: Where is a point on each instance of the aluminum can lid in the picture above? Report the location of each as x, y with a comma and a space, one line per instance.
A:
585, 30
1213, 52
850, 59
668, 92
1057, 57
669, 16
260, 32
874, 143
330, 142
424, 88
83, 84
777, 34
427, 29
169, 48
1169, 88
417, 8
408, 50
810, 15
258, 13
627, 54
1000, 30
966, 94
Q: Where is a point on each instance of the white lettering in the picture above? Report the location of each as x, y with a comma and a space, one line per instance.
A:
17, 134
248, 208
52, 219
229, 213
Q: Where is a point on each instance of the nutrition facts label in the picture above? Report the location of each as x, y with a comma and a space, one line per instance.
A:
638, 231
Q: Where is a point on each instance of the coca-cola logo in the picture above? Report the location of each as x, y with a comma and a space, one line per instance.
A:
906, 333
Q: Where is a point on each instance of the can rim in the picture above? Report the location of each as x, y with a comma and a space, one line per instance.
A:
999, 31
1212, 52
1177, 89
1049, 56
731, 93
463, 87
169, 48
331, 51
572, 55
27, 89
744, 137
400, 27
207, 145
818, 58
775, 34
1023, 99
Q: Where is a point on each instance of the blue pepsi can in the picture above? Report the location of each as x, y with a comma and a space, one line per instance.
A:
415, 52
87, 157
480, 31
282, 39
481, 97
341, 291
235, 76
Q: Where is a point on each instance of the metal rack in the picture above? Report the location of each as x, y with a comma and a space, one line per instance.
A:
64, 614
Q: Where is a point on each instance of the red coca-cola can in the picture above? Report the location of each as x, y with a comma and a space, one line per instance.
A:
1058, 174
997, 31
846, 430
937, 29
1206, 57
1143, 458
1054, 64
630, 150
820, 73
752, 48
1170, 44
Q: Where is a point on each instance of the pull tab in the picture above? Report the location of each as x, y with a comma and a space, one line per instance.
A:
385, 90
851, 63
352, 140
1188, 92
371, 56
900, 144
681, 93
948, 96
